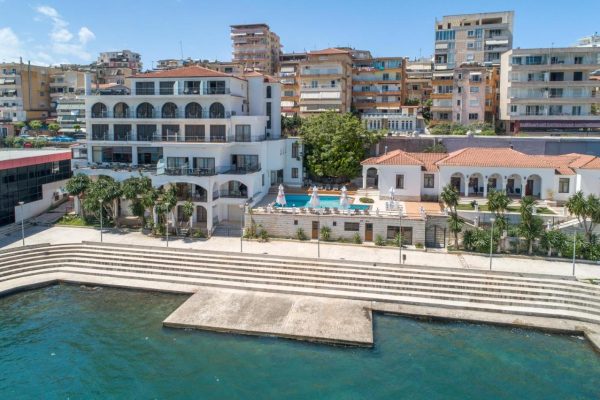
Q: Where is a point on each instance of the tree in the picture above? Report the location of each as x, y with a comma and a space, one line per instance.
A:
587, 211
104, 190
188, 210
291, 125
134, 189
554, 241
19, 125
498, 202
54, 128
435, 148
531, 226
77, 186
35, 125
165, 204
335, 144
450, 197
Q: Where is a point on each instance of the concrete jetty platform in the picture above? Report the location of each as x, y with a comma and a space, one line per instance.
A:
311, 318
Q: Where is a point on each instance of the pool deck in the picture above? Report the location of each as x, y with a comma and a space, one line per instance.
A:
309, 318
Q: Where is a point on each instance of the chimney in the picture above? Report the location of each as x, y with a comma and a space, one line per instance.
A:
385, 150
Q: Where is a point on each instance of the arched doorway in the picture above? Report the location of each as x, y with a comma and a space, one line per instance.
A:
372, 178
145, 110
514, 185
217, 110
533, 186
99, 111
169, 110
457, 181
121, 110
494, 182
475, 185
193, 110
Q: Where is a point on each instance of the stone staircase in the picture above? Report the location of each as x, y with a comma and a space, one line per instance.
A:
89, 262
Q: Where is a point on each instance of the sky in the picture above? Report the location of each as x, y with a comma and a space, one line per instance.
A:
75, 31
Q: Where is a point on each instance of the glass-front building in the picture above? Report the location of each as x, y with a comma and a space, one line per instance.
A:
23, 174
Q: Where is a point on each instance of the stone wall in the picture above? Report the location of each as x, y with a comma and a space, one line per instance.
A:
279, 224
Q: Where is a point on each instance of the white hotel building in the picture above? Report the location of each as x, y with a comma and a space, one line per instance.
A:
215, 137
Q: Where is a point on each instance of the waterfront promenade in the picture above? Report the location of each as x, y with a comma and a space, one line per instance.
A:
368, 253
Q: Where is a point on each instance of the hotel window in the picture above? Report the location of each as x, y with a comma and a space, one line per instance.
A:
577, 76
458, 116
352, 226
314, 84
428, 181
166, 88
144, 88
474, 103
294, 173
269, 92
295, 147
473, 116
474, 89
399, 181
578, 60
458, 102
243, 133
563, 185
576, 110
386, 77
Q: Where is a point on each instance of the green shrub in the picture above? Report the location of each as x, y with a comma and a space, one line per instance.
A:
326, 233
366, 200
300, 235
356, 238
379, 240
419, 245
199, 234
263, 235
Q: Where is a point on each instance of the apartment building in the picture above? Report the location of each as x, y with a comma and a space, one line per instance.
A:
325, 79
589, 41
289, 71
475, 95
215, 137
418, 80
115, 66
25, 92
403, 121
256, 47
549, 89
378, 84
479, 38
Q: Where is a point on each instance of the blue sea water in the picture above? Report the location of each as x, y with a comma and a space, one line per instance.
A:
71, 342
302, 200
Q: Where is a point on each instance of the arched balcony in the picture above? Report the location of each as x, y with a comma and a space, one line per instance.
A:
216, 110
145, 110
193, 110
169, 110
99, 110
121, 110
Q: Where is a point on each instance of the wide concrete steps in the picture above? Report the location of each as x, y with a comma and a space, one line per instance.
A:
475, 290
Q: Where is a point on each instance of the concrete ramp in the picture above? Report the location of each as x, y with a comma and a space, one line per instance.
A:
311, 318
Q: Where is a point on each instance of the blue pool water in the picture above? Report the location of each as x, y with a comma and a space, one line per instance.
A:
302, 200
65, 342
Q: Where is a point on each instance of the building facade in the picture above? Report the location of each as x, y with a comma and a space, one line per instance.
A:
289, 71
378, 84
406, 120
476, 171
34, 177
544, 90
115, 66
256, 47
325, 81
25, 92
474, 98
418, 80
215, 137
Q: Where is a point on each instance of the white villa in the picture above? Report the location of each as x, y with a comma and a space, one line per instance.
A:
475, 171
215, 137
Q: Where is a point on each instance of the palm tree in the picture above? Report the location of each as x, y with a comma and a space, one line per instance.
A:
587, 211
188, 210
531, 226
77, 186
498, 202
134, 189
450, 197
36, 125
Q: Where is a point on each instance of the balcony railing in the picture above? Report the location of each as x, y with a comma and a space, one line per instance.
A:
101, 114
179, 114
205, 91
190, 171
236, 194
240, 170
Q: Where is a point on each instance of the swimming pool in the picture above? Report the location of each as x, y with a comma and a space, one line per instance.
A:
302, 200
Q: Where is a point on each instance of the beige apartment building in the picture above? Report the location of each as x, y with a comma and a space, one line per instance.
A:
289, 77
116, 66
418, 80
25, 92
474, 99
325, 80
378, 84
550, 89
256, 47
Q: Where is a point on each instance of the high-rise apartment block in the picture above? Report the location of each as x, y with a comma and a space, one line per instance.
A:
479, 38
289, 71
256, 47
326, 81
549, 89
418, 80
475, 95
25, 92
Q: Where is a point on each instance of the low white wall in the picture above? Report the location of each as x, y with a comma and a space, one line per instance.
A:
36, 208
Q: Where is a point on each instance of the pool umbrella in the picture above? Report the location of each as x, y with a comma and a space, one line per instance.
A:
280, 197
314, 198
392, 193
344, 199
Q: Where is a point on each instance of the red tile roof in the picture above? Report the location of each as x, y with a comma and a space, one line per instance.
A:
565, 164
267, 78
331, 50
193, 71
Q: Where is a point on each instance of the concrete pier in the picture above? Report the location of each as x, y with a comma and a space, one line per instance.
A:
311, 318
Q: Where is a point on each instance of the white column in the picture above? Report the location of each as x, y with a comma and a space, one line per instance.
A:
364, 178
209, 216
466, 186
134, 155
523, 185
485, 186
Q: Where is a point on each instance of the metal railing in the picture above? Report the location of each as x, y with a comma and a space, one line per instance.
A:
179, 171
240, 170
236, 194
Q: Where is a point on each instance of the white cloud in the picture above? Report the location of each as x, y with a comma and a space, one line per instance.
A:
85, 35
62, 41
10, 45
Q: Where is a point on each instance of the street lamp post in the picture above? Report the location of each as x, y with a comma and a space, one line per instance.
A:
100, 201
574, 249
491, 240
167, 222
319, 234
243, 208
400, 235
22, 222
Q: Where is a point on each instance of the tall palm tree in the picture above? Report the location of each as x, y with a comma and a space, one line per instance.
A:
531, 226
450, 197
587, 211
77, 186
498, 202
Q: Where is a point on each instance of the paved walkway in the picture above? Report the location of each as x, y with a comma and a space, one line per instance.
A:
58, 234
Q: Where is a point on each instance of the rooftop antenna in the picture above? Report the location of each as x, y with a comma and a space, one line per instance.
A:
181, 49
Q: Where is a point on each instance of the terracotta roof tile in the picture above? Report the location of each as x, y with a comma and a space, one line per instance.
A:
429, 160
396, 157
593, 164
331, 50
193, 71
494, 157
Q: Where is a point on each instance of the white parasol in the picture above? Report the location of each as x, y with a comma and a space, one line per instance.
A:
344, 204
314, 198
280, 197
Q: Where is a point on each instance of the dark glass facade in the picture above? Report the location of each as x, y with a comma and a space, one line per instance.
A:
25, 184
